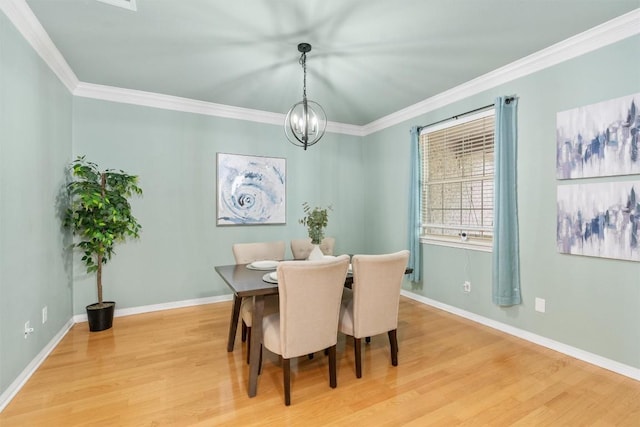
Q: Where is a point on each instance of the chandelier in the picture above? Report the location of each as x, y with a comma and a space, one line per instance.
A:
306, 121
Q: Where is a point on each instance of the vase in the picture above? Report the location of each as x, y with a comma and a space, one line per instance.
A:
315, 254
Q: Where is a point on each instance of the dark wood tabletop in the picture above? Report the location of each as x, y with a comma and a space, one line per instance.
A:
245, 282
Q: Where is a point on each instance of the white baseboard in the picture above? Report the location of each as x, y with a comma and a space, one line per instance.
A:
585, 356
21, 380
159, 307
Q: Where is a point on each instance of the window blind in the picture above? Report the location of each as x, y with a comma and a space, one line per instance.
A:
457, 181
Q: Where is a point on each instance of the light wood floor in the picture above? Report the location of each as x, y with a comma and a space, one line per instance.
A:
171, 368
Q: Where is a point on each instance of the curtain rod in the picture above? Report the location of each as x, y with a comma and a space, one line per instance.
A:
457, 116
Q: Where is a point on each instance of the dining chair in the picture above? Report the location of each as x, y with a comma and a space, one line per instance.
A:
307, 320
301, 248
370, 307
245, 253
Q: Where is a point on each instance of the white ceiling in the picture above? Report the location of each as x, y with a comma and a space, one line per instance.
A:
370, 58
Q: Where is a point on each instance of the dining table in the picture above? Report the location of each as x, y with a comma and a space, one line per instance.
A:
246, 282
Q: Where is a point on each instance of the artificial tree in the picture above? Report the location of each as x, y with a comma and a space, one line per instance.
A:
99, 213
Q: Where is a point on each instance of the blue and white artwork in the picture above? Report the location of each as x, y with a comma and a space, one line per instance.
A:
251, 190
601, 220
599, 139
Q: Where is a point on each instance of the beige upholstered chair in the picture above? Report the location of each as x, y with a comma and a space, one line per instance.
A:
371, 306
245, 253
310, 295
301, 248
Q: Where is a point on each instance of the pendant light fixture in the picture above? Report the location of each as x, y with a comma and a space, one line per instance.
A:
306, 121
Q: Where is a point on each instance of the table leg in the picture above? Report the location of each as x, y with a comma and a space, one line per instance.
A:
256, 342
233, 325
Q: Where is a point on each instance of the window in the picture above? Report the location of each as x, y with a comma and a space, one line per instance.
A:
457, 181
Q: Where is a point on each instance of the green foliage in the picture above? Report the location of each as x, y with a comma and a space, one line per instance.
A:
315, 220
99, 212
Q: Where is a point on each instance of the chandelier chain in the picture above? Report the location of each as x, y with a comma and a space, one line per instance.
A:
306, 120
303, 62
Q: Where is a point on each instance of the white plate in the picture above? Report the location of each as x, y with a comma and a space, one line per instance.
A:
273, 275
267, 278
350, 269
263, 265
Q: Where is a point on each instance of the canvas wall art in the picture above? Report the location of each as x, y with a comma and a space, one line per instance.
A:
600, 139
601, 220
251, 190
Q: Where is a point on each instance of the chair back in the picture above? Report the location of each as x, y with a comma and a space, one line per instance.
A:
301, 248
310, 295
377, 280
244, 253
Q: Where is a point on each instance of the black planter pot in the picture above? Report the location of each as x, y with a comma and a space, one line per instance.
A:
100, 318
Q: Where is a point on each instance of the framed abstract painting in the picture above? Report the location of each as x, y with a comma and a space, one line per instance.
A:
251, 190
600, 220
599, 140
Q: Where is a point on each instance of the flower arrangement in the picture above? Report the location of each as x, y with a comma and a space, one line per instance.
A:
315, 220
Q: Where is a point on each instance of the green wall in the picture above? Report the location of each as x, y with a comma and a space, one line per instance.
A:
592, 304
35, 146
175, 156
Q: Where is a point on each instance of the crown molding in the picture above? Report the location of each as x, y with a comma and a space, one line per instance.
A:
20, 14
612, 31
345, 128
176, 103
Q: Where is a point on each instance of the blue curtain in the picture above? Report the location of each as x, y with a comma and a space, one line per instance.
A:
415, 195
506, 253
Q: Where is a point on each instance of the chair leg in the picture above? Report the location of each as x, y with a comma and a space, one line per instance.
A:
357, 345
333, 381
368, 339
393, 341
244, 331
286, 370
248, 345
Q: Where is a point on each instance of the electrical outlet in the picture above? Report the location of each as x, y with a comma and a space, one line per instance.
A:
44, 314
28, 330
541, 305
466, 286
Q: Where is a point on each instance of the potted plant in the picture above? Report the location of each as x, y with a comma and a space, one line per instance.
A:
99, 213
315, 220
